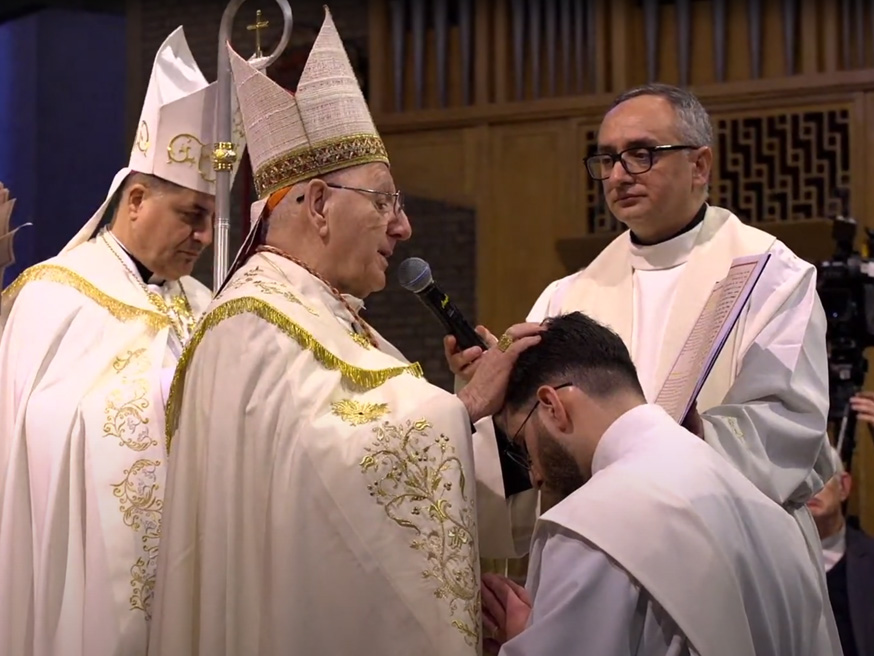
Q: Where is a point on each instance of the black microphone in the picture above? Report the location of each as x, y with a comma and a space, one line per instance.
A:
414, 274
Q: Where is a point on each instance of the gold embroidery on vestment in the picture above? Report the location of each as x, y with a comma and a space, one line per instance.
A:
255, 277
410, 470
138, 493
141, 507
360, 339
126, 405
356, 377
63, 276
357, 413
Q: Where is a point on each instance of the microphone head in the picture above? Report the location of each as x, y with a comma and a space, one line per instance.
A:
414, 274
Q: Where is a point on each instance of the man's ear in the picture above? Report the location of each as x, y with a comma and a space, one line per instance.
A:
555, 409
135, 197
314, 199
703, 164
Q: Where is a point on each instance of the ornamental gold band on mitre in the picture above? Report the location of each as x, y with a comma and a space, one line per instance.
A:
311, 161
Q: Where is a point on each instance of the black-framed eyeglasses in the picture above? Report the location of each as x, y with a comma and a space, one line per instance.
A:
635, 160
516, 449
397, 197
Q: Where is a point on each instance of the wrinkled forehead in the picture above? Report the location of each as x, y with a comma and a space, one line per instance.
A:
640, 121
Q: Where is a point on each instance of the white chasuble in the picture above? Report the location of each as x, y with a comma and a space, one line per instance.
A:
83, 352
321, 494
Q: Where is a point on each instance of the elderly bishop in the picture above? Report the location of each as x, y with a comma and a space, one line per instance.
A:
89, 342
320, 493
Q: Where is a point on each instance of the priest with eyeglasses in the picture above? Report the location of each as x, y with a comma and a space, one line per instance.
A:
764, 405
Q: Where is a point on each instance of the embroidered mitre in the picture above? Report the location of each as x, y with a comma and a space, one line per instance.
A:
176, 128
324, 126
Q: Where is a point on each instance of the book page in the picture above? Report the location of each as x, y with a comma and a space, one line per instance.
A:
708, 335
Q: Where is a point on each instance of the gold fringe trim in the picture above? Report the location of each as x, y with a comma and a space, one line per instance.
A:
362, 379
63, 276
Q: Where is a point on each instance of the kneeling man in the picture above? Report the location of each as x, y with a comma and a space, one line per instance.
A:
656, 546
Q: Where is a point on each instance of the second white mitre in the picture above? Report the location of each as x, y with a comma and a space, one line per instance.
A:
176, 129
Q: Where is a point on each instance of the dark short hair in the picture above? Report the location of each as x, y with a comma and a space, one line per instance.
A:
693, 121
153, 182
575, 349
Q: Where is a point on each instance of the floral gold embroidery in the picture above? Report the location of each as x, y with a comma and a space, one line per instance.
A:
418, 480
357, 413
141, 506
129, 357
126, 406
254, 276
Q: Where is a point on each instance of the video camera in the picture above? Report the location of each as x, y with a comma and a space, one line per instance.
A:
846, 288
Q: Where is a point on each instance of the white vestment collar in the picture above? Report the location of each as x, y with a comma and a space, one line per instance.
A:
665, 255
623, 434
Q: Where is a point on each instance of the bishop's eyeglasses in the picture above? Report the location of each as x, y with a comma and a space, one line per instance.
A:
635, 161
396, 198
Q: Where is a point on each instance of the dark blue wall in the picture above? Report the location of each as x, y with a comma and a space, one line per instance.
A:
62, 111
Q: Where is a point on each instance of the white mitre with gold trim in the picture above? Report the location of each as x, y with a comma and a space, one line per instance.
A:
322, 127
176, 129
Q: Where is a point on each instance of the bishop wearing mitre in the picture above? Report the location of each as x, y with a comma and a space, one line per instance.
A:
320, 495
89, 342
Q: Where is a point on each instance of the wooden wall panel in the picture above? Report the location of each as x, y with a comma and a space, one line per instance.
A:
528, 200
436, 164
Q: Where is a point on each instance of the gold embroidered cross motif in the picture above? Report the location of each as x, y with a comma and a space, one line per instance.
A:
357, 413
419, 481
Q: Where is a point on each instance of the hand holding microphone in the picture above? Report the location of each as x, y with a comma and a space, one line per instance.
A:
414, 274
463, 345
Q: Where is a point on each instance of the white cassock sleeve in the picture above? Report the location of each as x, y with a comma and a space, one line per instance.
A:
772, 423
586, 604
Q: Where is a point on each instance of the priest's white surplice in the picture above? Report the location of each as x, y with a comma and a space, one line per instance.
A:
666, 552
85, 363
320, 494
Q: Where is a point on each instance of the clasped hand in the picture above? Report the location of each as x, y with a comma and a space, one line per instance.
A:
506, 609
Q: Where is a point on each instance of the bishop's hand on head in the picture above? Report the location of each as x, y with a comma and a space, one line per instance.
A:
484, 393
